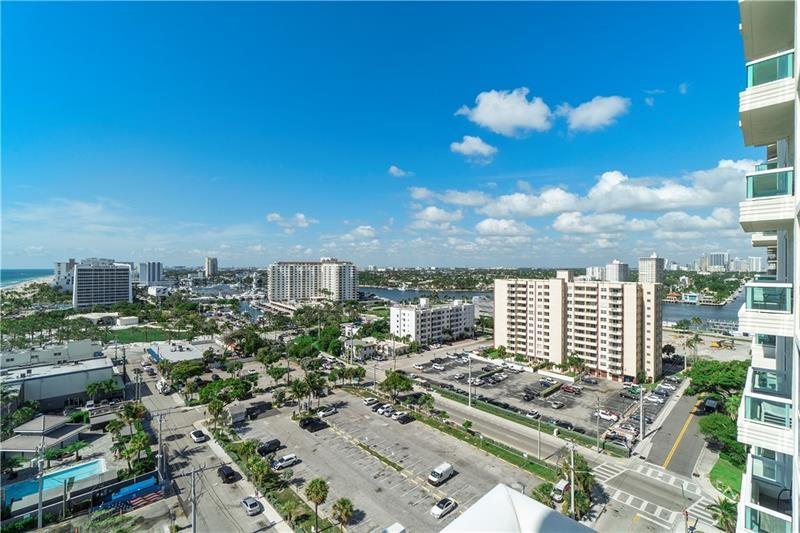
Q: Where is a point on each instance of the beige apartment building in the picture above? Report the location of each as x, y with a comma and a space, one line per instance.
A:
614, 327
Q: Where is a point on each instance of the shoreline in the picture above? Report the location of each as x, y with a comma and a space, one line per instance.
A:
24, 285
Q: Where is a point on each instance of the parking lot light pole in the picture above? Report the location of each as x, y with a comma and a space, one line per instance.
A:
572, 480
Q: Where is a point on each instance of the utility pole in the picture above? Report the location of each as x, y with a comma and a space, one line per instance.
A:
597, 419
194, 506
161, 469
572, 481
40, 457
641, 414
469, 382
539, 437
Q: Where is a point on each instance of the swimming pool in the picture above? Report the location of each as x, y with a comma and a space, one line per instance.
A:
17, 491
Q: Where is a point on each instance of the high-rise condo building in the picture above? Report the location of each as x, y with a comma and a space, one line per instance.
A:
651, 269
755, 264
63, 272
717, 261
426, 323
616, 271
768, 416
596, 273
211, 269
326, 279
101, 282
150, 273
614, 327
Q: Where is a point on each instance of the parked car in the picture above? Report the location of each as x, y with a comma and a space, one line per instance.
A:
397, 414
405, 419
251, 506
605, 414
388, 411
559, 490
312, 424
150, 371
327, 411
532, 414
419, 366
528, 396
370, 401
440, 474
628, 395
590, 380
555, 404
572, 389
653, 399
442, 507
198, 436
215, 377
637, 417
613, 436
285, 462
383, 408
226, 474
268, 446
667, 385
658, 391
627, 426
437, 366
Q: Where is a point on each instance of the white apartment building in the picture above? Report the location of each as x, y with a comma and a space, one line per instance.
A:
617, 271
717, 261
326, 279
769, 414
150, 273
426, 323
63, 272
596, 273
211, 267
614, 327
101, 282
755, 264
651, 269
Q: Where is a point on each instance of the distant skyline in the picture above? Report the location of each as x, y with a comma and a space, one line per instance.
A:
395, 134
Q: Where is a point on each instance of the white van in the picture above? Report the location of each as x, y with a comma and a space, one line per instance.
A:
559, 490
440, 474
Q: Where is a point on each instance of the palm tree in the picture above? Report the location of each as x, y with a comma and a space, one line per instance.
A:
542, 494
691, 343
292, 510
724, 512
190, 388
76, 448
10, 463
317, 493
132, 412
93, 389
343, 511
215, 408
298, 389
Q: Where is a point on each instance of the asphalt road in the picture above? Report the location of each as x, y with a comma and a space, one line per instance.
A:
679, 441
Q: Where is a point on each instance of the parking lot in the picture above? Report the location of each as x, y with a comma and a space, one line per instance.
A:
570, 410
381, 494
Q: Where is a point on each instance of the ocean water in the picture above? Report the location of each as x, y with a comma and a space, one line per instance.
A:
10, 276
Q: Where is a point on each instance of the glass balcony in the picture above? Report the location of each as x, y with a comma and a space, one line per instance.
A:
766, 166
766, 340
766, 184
771, 69
768, 412
770, 382
761, 522
770, 297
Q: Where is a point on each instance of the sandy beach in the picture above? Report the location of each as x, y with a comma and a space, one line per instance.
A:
23, 287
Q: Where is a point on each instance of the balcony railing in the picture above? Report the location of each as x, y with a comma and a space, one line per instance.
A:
769, 297
770, 183
762, 522
770, 382
773, 68
770, 165
766, 340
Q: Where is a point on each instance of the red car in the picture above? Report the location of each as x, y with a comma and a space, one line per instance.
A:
571, 389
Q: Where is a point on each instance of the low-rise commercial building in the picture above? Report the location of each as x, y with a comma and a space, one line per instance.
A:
51, 354
614, 327
361, 349
426, 323
51, 430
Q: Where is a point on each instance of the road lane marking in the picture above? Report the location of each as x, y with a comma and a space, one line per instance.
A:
680, 436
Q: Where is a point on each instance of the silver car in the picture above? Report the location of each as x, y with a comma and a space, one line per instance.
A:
251, 506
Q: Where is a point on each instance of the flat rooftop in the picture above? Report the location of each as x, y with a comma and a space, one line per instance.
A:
28, 443
35, 426
25, 373
175, 351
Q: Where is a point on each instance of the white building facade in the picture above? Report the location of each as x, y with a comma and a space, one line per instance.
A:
211, 267
101, 282
617, 271
150, 273
769, 413
426, 323
614, 327
63, 274
326, 279
651, 269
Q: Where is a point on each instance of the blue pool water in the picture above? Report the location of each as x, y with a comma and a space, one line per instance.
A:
17, 491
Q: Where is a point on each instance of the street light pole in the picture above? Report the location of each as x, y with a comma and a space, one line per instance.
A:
194, 506
539, 437
41, 477
469, 383
597, 418
641, 414
572, 480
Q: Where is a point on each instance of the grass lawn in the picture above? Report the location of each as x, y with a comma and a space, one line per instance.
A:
726, 474
382, 312
125, 336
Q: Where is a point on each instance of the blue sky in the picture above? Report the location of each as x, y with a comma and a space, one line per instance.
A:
530, 134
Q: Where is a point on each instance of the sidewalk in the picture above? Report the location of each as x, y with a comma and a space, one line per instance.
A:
274, 517
706, 461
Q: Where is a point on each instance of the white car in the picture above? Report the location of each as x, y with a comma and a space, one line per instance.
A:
653, 398
398, 414
443, 507
285, 461
251, 506
668, 386
327, 411
532, 414
370, 401
145, 363
606, 415
198, 436
389, 411
437, 366
252, 371
419, 366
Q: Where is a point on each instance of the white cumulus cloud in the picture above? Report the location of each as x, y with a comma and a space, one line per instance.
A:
596, 114
502, 226
509, 112
298, 220
398, 172
474, 148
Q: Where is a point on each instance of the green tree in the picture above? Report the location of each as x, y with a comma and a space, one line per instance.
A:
132, 412
10, 463
720, 430
292, 510
668, 350
542, 494
317, 493
215, 408
426, 402
298, 389
724, 512
109, 521
342, 511
395, 383
276, 373
233, 368
723, 378
76, 448
190, 388
93, 389
467, 425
